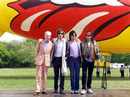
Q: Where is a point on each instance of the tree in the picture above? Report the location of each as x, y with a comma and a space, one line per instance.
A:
121, 58
4, 55
17, 54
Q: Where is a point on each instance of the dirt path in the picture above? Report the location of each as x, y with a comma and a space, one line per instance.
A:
98, 93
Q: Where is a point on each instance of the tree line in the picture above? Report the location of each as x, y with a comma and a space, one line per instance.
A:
17, 54
21, 54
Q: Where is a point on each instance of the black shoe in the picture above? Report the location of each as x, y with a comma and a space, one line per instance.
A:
44, 92
55, 91
62, 92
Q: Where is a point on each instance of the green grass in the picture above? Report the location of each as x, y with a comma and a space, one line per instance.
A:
24, 79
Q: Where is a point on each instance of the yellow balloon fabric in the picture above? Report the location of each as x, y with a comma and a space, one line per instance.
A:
6, 15
49, 12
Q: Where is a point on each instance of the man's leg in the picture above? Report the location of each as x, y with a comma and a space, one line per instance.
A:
90, 74
45, 70
39, 78
84, 74
77, 74
56, 76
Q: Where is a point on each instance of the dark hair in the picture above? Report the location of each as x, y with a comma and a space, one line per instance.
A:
59, 31
72, 33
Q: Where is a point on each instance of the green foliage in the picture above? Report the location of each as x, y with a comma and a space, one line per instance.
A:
4, 55
17, 54
121, 58
21, 54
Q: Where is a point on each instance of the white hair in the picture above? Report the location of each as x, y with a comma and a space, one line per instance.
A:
48, 33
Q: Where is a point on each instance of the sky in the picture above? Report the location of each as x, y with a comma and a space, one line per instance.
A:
8, 37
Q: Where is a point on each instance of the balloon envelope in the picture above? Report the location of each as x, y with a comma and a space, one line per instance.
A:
109, 20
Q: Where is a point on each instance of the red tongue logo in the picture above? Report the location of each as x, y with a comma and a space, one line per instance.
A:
126, 2
35, 18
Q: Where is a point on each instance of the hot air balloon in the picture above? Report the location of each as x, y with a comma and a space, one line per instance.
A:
109, 20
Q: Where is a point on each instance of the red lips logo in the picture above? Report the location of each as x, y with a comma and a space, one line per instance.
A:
37, 16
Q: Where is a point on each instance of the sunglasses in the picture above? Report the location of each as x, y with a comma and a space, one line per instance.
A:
60, 33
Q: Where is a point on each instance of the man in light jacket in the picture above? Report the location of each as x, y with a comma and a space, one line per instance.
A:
42, 61
59, 63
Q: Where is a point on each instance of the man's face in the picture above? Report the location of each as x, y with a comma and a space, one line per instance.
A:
47, 37
60, 34
89, 36
73, 37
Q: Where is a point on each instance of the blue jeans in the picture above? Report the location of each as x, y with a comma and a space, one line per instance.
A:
74, 66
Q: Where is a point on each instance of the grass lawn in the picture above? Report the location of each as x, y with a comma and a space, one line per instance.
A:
24, 79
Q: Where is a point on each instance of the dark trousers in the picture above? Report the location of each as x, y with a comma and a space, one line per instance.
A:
122, 74
57, 64
97, 74
74, 66
87, 73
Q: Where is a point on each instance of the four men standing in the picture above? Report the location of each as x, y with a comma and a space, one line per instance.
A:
75, 51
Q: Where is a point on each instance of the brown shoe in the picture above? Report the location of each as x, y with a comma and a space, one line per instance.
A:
36, 93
